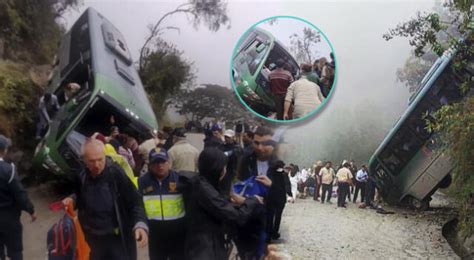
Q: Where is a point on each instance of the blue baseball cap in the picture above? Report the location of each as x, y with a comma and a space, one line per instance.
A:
4, 142
158, 154
216, 127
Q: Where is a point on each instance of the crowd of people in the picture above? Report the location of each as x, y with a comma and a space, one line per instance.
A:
319, 181
166, 194
295, 98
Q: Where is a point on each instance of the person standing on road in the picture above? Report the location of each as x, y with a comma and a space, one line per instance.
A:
317, 169
110, 209
252, 236
13, 199
209, 211
276, 199
327, 178
280, 79
353, 169
344, 180
233, 152
216, 139
182, 155
361, 182
164, 205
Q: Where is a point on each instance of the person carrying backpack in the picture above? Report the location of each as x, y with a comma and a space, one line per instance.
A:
110, 209
13, 199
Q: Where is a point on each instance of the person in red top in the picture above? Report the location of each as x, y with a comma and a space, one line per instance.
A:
280, 79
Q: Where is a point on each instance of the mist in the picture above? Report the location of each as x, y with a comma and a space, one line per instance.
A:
367, 99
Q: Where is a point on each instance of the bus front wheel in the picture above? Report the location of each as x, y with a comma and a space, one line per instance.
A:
419, 204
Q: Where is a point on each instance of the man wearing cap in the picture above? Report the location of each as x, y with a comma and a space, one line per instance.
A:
13, 199
164, 207
216, 139
182, 155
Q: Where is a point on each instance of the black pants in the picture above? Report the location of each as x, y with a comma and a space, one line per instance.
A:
327, 189
11, 235
342, 190
106, 247
279, 105
348, 193
274, 213
360, 186
166, 239
370, 193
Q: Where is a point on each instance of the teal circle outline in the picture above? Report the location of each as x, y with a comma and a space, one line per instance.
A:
310, 113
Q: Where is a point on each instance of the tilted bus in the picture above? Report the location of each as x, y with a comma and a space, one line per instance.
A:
93, 54
407, 166
255, 57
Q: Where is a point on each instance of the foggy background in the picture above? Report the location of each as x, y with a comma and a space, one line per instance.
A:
367, 99
284, 27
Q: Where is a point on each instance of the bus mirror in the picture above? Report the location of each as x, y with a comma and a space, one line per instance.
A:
260, 47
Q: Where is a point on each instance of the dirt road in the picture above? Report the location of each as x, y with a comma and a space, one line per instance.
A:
322, 231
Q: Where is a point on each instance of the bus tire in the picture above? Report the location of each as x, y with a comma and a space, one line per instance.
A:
445, 182
419, 204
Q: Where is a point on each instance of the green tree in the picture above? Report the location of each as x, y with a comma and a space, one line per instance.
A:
210, 100
27, 25
454, 123
163, 70
165, 73
303, 45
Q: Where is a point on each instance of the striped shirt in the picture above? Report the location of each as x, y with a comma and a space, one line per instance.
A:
280, 80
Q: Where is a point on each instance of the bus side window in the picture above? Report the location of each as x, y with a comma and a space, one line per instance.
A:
401, 149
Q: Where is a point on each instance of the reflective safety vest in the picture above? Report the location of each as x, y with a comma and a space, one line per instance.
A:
162, 200
164, 207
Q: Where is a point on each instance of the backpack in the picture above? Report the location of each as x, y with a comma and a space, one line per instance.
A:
61, 240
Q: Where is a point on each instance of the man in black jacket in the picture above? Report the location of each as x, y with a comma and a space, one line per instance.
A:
13, 199
110, 208
276, 199
261, 163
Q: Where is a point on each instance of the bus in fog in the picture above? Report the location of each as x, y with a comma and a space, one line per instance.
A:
255, 57
407, 166
93, 54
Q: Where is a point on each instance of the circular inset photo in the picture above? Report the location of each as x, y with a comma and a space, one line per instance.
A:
283, 69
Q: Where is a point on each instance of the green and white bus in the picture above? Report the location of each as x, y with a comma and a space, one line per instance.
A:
407, 166
93, 54
255, 57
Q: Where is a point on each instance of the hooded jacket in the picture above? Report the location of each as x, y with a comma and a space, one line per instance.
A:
207, 213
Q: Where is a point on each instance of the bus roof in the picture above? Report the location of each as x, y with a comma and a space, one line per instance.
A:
426, 84
113, 69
